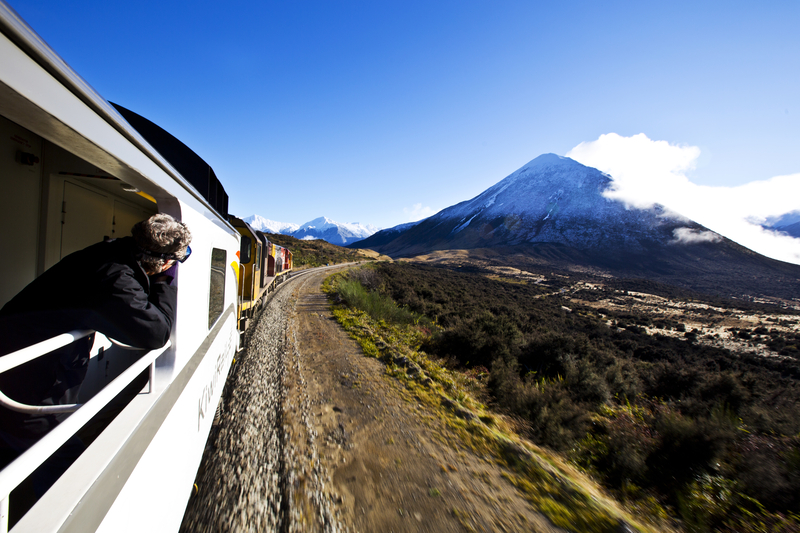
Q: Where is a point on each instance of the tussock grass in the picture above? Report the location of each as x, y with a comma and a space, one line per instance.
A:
374, 304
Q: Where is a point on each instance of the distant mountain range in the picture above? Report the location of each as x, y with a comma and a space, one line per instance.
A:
788, 223
323, 228
552, 211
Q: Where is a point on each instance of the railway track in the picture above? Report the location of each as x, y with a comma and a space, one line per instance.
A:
252, 470
314, 437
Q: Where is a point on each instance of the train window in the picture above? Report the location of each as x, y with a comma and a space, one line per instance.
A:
245, 250
216, 298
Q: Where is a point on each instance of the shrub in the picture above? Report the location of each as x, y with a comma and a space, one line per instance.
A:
478, 340
366, 276
657, 413
771, 472
685, 449
618, 447
551, 415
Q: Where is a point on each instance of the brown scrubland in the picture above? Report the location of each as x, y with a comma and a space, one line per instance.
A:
681, 406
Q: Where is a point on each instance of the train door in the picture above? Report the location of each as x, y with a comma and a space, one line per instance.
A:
86, 218
257, 268
265, 248
271, 261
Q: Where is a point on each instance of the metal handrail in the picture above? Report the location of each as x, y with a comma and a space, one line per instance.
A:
37, 410
30, 353
20, 357
16, 472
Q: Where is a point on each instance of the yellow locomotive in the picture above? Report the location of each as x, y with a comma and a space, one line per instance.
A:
262, 265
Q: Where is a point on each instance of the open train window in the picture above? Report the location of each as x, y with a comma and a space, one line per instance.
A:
216, 298
244, 252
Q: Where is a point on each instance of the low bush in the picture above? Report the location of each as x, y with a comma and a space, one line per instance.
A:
699, 429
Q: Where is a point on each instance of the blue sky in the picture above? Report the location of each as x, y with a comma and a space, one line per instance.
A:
372, 111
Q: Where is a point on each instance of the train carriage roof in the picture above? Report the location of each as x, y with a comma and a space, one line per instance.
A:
184, 159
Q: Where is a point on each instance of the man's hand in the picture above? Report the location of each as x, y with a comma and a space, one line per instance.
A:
168, 273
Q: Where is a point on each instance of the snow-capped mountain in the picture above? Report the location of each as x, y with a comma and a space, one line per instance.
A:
270, 226
788, 223
552, 199
320, 228
554, 211
334, 232
790, 229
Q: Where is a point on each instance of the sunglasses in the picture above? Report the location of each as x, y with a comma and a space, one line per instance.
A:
169, 257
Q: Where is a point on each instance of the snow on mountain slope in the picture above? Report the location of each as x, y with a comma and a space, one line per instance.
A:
323, 223
319, 228
548, 185
338, 233
553, 200
270, 226
557, 200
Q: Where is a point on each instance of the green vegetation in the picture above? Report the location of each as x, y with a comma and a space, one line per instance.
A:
395, 335
682, 433
357, 290
308, 254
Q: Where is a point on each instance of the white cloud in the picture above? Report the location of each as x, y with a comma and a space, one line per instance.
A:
417, 212
689, 236
647, 172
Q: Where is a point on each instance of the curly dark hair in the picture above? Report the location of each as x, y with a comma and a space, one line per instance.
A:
160, 234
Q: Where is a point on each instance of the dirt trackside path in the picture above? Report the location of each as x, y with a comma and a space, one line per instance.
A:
364, 456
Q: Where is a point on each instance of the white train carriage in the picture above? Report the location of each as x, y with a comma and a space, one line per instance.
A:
73, 171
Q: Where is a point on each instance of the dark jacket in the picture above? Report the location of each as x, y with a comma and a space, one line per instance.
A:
101, 288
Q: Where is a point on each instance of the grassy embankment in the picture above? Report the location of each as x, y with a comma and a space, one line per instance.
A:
687, 436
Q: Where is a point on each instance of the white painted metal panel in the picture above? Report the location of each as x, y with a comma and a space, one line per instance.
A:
162, 481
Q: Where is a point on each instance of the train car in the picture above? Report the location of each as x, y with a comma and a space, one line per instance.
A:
74, 170
271, 260
261, 267
281, 260
265, 282
287, 260
251, 289
278, 262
